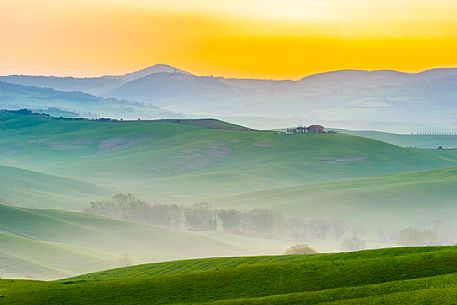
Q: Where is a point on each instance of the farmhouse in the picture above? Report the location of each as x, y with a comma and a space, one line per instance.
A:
316, 129
310, 129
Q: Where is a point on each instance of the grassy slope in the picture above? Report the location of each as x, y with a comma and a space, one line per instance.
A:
405, 140
32, 189
173, 160
392, 276
101, 243
26, 257
393, 199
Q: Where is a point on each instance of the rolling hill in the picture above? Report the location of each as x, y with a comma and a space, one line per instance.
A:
36, 190
190, 160
22, 257
50, 243
388, 202
393, 276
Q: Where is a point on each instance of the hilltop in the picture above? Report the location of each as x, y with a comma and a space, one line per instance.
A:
404, 275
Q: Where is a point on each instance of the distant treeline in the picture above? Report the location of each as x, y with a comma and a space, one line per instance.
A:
263, 223
202, 217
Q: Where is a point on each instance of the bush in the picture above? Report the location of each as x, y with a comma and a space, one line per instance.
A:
301, 249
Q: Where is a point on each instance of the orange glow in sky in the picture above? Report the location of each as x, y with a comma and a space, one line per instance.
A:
237, 38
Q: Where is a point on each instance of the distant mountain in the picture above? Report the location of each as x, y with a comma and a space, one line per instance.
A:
159, 68
71, 104
93, 85
159, 88
412, 99
88, 85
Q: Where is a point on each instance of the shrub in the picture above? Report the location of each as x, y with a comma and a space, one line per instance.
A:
301, 249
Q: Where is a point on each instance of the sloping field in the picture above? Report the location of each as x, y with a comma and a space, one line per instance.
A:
36, 190
49, 244
386, 276
388, 200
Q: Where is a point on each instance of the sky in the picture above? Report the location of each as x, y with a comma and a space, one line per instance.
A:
274, 39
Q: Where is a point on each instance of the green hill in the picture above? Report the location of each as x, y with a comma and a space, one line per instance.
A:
197, 160
379, 202
386, 276
36, 190
408, 140
49, 244
27, 257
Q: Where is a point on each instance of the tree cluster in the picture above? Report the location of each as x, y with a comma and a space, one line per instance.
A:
202, 217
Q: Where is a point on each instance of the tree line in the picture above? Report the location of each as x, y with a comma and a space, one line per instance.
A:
203, 217
263, 223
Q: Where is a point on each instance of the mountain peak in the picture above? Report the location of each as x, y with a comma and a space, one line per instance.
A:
158, 68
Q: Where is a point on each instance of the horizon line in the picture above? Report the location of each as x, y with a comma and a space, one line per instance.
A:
233, 77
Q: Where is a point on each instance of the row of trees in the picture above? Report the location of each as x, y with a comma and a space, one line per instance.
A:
257, 223
202, 217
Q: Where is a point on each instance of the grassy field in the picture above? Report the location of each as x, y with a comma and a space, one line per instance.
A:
23, 257
385, 276
36, 190
50, 244
387, 201
187, 161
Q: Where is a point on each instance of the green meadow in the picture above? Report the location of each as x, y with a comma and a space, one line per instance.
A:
392, 276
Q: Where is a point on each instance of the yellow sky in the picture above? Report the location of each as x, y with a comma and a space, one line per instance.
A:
240, 38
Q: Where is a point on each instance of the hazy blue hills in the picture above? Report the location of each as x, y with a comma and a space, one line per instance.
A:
164, 88
46, 100
425, 98
87, 84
